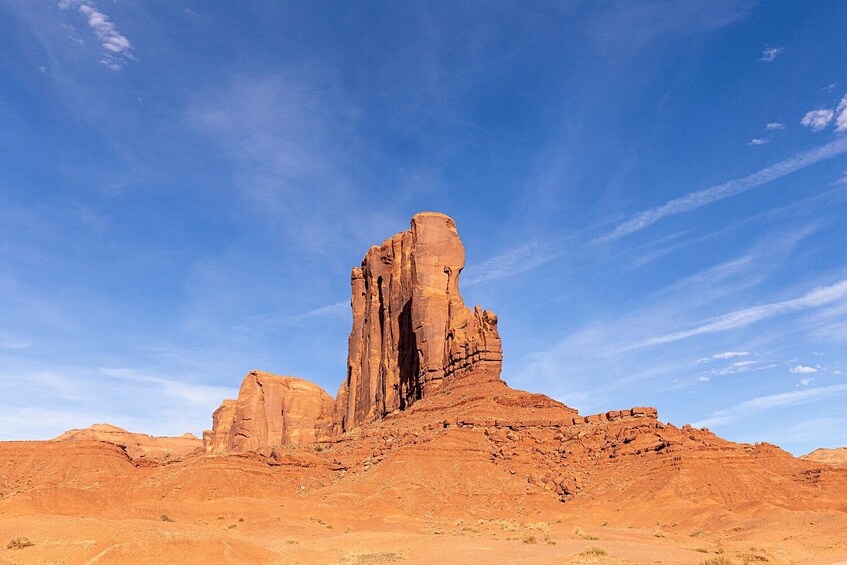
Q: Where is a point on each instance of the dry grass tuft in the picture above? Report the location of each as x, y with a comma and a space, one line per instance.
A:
585, 535
372, 558
718, 561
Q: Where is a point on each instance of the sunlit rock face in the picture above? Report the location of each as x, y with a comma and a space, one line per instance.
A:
411, 328
270, 410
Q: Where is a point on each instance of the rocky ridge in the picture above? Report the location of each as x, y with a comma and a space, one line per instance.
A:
836, 457
137, 446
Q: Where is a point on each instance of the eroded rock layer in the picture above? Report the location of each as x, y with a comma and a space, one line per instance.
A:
270, 410
411, 328
136, 446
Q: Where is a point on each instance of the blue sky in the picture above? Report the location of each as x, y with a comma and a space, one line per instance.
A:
652, 197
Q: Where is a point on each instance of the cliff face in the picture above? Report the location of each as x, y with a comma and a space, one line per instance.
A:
411, 328
270, 410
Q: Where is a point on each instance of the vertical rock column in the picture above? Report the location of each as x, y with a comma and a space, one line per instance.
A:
410, 325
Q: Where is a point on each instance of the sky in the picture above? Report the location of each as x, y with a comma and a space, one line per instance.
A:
652, 198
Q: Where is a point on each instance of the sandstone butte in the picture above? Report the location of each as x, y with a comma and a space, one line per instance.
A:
836, 457
424, 456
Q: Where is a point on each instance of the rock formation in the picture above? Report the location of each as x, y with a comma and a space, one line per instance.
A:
270, 410
411, 328
136, 446
836, 457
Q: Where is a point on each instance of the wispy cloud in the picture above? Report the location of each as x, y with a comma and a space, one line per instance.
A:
774, 126
769, 402
803, 370
733, 187
816, 120
841, 115
512, 262
770, 53
116, 47
758, 141
730, 354
337, 309
723, 356
741, 367
812, 299
195, 393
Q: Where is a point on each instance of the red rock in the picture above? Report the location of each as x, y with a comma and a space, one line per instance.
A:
270, 410
645, 411
136, 446
836, 457
411, 328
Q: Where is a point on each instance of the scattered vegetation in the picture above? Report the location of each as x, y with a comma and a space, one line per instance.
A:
291, 541
372, 558
753, 558
241, 519
530, 539
319, 448
320, 521
594, 550
659, 534
585, 535
166, 518
504, 525
19, 543
718, 561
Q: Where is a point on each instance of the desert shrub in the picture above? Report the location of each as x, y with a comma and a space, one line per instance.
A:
594, 550
19, 543
530, 539
372, 558
718, 561
166, 518
585, 535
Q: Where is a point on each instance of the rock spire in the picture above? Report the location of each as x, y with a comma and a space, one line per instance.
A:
411, 328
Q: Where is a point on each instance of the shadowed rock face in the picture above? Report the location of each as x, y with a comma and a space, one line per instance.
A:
411, 328
270, 410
